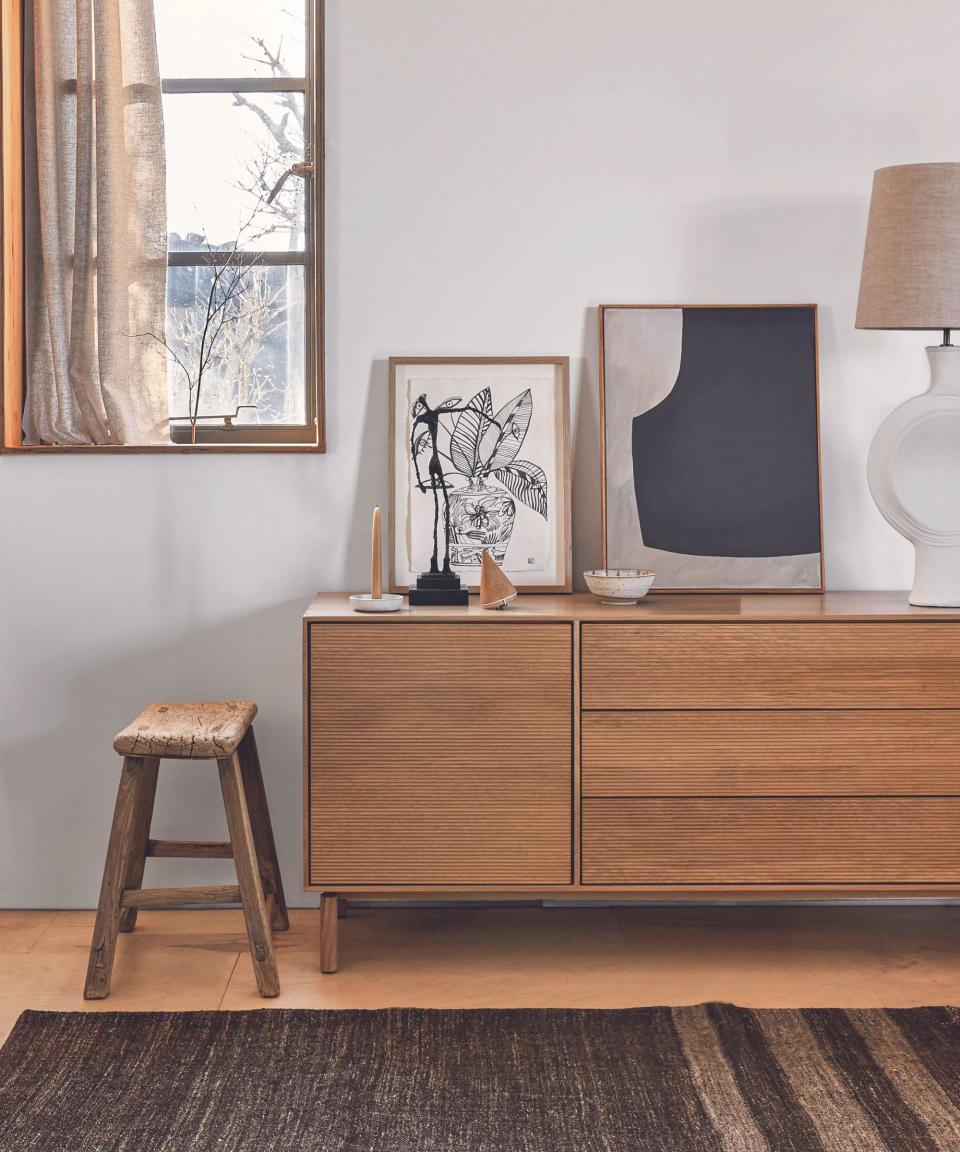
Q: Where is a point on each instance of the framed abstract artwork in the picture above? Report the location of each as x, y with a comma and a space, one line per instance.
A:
710, 455
502, 442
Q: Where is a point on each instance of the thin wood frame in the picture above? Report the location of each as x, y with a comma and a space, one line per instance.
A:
561, 365
310, 437
601, 311
11, 218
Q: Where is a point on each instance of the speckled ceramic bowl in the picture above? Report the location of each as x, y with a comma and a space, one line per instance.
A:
619, 585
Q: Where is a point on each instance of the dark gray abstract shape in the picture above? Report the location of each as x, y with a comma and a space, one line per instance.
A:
727, 464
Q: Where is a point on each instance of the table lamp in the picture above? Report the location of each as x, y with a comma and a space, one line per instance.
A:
911, 280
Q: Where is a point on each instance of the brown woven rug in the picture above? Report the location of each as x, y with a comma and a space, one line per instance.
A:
714, 1077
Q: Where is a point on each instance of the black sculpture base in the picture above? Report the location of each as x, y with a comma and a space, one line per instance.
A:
435, 588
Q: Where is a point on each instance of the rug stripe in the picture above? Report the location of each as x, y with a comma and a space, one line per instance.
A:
716, 1084
776, 1110
867, 1082
908, 1072
668, 1113
841, 1123
932, 1033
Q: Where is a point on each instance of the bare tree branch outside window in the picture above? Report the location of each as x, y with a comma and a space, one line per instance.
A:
235, 323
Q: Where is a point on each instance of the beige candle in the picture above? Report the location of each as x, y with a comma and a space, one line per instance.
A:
376, 587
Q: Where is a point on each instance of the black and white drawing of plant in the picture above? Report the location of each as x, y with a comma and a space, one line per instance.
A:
482, 446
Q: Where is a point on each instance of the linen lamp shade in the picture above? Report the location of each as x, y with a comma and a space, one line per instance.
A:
911, 262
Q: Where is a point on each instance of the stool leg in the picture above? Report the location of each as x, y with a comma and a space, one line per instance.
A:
328, 932
248, 876
262, 829
139, 835
104, 944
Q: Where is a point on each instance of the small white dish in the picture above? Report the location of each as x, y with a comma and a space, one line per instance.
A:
364, 602
623, 586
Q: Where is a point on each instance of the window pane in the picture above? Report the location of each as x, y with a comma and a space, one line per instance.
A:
240, 38
224, 155
258, 355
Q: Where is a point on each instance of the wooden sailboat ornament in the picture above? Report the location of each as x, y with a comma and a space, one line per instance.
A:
376, 600
496, 591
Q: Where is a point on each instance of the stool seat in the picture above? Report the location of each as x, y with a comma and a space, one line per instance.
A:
206, 731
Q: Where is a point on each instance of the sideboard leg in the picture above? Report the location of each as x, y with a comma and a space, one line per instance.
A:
328, 932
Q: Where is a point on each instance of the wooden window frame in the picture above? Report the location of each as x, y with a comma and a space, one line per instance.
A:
308, 438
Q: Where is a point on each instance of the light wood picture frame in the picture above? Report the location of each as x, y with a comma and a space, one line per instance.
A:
710, 446
506, 460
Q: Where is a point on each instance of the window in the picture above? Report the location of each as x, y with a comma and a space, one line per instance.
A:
234, 348
236, 94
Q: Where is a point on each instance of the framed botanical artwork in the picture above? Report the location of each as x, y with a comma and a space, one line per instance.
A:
710, 456
503, 443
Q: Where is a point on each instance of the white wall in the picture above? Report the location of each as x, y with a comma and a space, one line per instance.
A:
496, 169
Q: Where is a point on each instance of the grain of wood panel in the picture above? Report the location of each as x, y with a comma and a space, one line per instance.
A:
440, 754
837, 840
789, 753
862, 665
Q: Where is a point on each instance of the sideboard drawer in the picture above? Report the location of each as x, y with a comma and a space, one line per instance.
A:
859, 752
836, 840
824, 665
439, 754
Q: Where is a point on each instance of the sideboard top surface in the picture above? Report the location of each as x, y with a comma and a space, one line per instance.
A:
671, 608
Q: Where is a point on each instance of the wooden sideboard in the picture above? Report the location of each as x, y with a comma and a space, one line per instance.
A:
691, 746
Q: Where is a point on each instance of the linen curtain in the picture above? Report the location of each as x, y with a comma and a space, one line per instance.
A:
97, 232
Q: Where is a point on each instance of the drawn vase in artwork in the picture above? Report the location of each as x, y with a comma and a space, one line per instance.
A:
480, 517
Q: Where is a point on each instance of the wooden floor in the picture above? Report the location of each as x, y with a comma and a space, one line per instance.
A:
502, 957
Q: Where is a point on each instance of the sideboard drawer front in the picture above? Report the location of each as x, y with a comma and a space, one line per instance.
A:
837, 840
864, 752
440, 754
810, 665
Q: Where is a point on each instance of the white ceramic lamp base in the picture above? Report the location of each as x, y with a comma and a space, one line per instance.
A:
914, 474
936, 581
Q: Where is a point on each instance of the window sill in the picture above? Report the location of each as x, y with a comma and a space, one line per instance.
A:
151, 449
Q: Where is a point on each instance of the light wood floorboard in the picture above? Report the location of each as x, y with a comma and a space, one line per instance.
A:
500, 957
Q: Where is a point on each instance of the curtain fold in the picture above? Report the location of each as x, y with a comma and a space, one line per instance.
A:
97, 228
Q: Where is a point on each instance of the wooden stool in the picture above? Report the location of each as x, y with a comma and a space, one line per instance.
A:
215, 731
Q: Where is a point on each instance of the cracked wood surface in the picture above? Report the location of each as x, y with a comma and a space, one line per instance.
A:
204, 731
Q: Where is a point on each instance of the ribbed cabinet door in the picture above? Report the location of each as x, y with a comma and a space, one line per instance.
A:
439, 754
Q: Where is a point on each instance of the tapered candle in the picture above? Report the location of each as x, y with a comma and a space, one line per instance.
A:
376, 588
